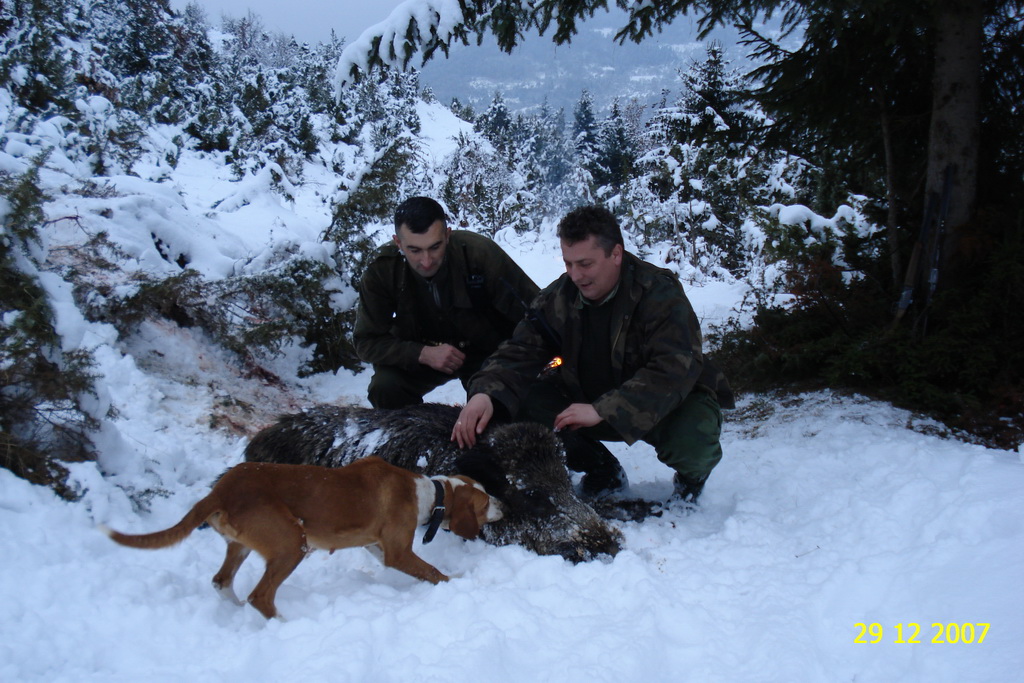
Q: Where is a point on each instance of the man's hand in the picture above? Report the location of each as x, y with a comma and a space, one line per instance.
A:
472, 420
443, 358
575, 416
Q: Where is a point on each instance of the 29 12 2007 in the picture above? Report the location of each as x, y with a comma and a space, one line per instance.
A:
952, 633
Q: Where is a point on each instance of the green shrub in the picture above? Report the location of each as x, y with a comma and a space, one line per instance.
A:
960, 360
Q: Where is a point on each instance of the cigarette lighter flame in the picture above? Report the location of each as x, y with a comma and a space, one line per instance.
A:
551, 367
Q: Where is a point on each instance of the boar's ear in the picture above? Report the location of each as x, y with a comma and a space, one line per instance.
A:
482, 468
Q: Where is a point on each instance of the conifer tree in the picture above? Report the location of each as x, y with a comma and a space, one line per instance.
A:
497, 125
477, 183
702, 174
33, 62
553, 151
587, 168
315, 69
463, 111
381, 121
43, 421
136, 33
616, 150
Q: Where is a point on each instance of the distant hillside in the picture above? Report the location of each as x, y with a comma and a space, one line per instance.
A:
594, 61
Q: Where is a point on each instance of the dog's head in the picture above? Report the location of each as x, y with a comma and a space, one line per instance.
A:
526, 467
468, 507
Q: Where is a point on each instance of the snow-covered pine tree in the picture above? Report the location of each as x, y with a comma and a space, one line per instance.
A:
510, 195
553, 150
616, 151
44, 422
375, 173
35, 64
586, 168
496, 124
474, 175
701, 176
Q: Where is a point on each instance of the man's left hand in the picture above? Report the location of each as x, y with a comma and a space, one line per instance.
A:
575, 416
443, 358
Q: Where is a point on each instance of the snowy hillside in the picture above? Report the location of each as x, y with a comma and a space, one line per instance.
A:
830, 516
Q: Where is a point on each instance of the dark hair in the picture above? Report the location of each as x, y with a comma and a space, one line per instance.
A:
584, 221
418, 214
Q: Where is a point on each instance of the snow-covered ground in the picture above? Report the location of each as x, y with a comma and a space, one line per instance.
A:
837, 539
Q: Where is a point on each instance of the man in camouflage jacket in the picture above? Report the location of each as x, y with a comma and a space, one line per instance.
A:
631, 367
433, 305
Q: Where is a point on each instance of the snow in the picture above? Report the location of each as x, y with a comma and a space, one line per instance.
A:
439, 17
797, 214
828, 512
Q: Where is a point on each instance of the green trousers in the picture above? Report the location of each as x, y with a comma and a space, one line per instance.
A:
688, 439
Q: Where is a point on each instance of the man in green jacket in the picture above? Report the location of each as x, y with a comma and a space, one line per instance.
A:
433, 305
631, 365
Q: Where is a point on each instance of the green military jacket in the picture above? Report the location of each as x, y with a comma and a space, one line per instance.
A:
656, 355
487, 293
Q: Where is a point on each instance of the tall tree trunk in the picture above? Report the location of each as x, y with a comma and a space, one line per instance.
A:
954, 135
892, 220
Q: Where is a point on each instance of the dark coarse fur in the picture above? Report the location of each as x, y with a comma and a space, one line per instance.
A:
522, 464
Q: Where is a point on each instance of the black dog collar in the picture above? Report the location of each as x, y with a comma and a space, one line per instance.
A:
437, 515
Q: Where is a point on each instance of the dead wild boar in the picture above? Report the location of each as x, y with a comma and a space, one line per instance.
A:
521, 463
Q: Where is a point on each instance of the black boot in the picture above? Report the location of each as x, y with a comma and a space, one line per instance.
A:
602, 483
603, 475
686, 489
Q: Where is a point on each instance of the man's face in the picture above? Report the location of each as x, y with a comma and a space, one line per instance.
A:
424, 252
594, 272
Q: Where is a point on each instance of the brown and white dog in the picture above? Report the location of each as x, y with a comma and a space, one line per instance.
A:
284, 512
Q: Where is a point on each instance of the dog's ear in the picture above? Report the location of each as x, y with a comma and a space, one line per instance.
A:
467, 511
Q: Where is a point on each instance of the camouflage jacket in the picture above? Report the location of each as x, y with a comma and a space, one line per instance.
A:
656, 355
486, 289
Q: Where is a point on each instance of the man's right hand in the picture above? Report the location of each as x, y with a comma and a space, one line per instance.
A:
443, 358
472, 420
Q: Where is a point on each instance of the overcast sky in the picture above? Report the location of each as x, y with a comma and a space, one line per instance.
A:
308, 20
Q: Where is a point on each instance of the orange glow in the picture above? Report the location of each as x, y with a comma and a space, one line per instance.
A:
550, 369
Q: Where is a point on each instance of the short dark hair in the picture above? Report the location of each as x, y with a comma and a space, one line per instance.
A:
418, 214
584, 221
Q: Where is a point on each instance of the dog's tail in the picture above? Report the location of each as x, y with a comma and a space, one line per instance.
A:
199, 513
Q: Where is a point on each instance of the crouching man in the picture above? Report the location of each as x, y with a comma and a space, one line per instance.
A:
433, 305
632, 367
